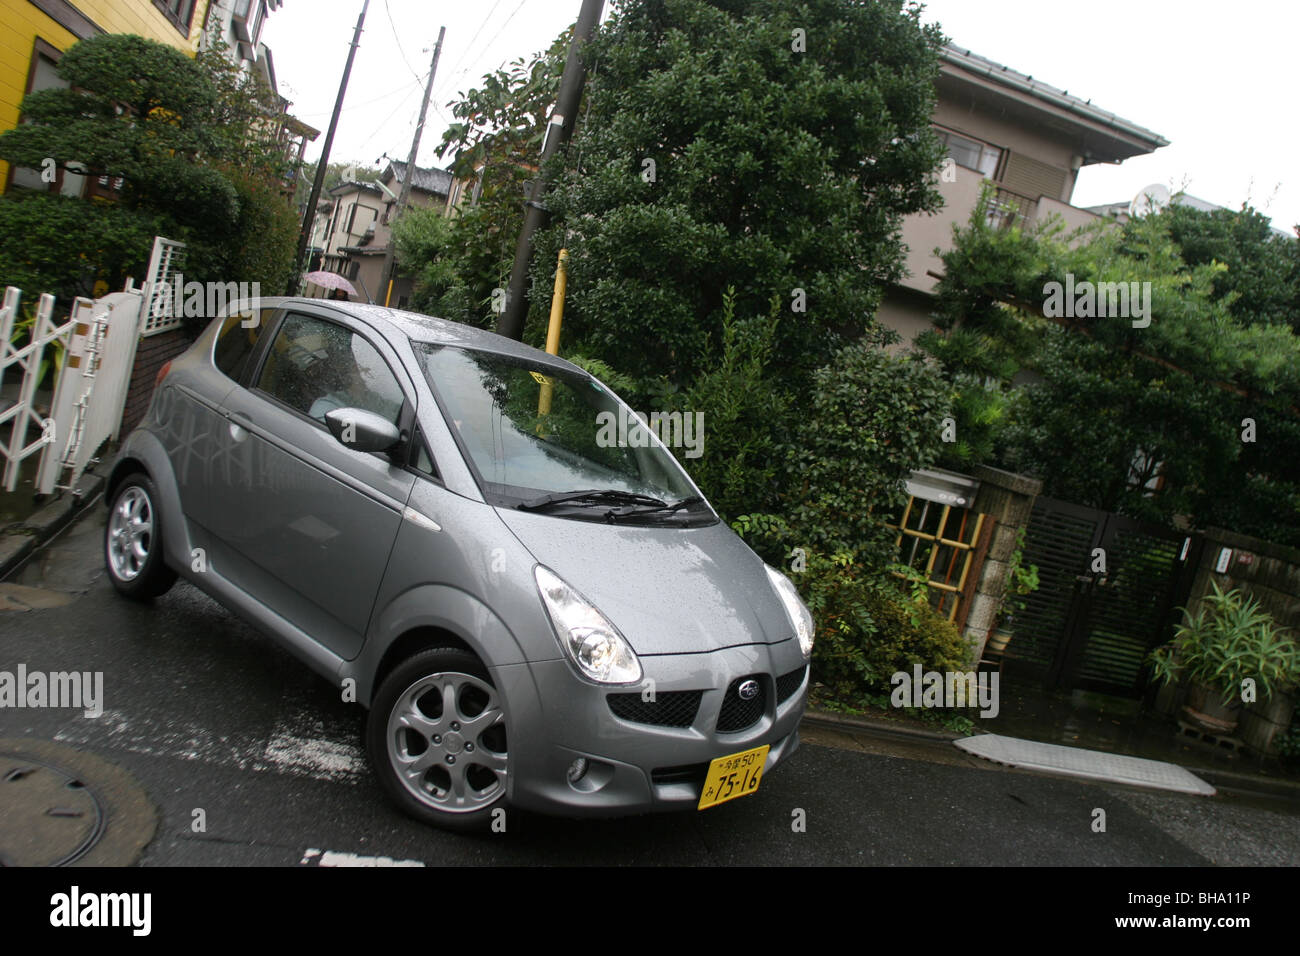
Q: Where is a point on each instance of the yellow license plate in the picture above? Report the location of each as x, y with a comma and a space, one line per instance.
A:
736, 775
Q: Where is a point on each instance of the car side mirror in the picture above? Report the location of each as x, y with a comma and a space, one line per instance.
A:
361, 430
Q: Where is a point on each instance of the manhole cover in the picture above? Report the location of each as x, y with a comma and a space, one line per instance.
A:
60, 807
48, 816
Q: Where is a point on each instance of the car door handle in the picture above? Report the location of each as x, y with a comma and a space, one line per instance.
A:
240, 425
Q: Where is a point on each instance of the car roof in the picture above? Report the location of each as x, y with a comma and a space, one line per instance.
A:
425, 328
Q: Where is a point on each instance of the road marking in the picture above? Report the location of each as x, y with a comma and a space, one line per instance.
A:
314, 857
300, 744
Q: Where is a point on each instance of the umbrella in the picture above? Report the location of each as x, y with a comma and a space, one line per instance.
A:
330, 280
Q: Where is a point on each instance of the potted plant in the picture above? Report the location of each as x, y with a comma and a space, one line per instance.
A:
1227, 640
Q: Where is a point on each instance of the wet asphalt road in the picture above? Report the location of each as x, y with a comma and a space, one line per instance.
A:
209, 715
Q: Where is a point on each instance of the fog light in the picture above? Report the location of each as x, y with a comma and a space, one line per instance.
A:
577, 770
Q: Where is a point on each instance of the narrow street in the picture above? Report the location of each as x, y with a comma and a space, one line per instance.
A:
209, 716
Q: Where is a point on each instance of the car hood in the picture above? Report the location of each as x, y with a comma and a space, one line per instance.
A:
669, 590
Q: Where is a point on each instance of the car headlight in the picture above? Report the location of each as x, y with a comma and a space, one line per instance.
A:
586, 635
800, 617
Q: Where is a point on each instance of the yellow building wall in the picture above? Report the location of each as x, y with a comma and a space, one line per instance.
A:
21, 22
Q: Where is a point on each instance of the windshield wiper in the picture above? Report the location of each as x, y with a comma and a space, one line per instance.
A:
660, 508
594, 496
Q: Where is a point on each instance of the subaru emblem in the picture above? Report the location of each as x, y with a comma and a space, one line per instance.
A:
748, 690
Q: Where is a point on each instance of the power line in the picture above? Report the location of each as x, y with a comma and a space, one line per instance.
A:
470, 44
400, 51
454, 75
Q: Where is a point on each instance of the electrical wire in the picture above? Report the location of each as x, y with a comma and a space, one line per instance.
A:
398, 40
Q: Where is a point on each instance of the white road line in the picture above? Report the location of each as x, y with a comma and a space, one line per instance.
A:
314, 857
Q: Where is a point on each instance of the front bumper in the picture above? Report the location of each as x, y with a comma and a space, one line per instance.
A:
554, 717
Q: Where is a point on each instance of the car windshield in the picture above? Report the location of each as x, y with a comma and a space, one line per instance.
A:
533, 432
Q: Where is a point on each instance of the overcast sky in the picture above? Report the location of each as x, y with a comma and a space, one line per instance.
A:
1218, 81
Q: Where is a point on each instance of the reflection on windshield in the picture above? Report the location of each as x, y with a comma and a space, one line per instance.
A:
531, 431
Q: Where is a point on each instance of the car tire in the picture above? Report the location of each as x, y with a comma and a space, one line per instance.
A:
436, 739
133, 541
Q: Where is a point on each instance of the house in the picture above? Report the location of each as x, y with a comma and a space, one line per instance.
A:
37, 32
351, 233
1028, 140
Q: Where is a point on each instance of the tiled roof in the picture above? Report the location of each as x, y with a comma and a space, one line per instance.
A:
428, 179
982, 65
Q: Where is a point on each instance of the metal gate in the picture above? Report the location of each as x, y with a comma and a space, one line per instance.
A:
1092, 629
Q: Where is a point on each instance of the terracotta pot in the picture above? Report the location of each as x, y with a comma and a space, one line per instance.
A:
1264, 721
1205, 707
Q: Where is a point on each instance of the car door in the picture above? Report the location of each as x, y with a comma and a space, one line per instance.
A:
305, 524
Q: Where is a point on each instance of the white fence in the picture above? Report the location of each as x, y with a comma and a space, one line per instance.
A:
100, 339
27, 359
100, 358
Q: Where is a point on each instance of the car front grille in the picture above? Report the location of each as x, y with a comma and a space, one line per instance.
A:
669, 709
737, 714
787, 685
693, 773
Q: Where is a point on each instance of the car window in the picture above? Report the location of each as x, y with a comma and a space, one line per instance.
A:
316, 366
421, 460
237, 340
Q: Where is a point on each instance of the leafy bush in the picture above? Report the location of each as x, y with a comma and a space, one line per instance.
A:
61, 245
743, 411
873, 418
868, 629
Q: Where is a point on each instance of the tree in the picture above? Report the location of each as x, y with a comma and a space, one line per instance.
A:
1262, 281
754, 144
1185, 411
195, 143
461, 263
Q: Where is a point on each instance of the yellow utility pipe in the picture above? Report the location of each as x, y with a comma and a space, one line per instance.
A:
553, 330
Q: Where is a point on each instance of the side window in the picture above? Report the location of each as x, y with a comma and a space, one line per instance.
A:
237, 340
315, 367
420, 459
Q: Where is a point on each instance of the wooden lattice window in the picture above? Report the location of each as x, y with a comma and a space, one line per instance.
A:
940, 541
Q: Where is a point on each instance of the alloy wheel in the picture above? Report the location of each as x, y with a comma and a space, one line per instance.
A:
130, 533
447, 742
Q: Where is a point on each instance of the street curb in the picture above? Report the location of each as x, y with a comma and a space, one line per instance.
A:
22, 539
1220, 779
874, 725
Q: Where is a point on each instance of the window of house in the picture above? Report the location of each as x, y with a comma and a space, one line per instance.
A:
971, 153
179, 12
43, 74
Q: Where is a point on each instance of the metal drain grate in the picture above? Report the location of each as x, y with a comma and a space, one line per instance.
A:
48, 816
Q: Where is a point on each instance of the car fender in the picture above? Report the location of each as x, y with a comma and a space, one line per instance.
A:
143, 451
432, 606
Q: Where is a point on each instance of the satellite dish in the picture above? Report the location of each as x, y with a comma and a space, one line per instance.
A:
350, 174
1150, 199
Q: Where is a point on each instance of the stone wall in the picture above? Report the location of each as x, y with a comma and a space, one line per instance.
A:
1007, 499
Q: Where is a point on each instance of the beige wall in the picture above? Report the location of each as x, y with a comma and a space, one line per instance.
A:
1009, 134
907, 313
923, 233
1074, 217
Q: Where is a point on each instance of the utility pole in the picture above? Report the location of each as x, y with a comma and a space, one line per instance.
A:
565, 114
310, 218
386, 273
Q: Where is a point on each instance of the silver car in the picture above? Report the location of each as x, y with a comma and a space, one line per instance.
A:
481, 544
